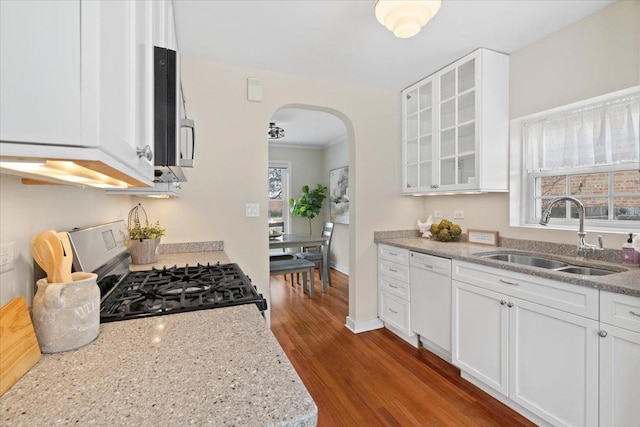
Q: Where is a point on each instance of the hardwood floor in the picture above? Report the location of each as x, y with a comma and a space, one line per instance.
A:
373, 378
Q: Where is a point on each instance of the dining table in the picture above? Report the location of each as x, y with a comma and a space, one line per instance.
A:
302, 241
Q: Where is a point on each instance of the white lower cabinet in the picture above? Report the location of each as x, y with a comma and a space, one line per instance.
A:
619, 360
542, 359
553, 364
394, 307
480, 326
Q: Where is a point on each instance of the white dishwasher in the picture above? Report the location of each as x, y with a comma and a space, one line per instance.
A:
430, 278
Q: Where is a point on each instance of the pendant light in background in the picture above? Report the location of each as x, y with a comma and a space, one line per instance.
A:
274, 131
406, 18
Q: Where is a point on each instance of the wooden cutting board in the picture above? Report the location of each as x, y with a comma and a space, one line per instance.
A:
19, 349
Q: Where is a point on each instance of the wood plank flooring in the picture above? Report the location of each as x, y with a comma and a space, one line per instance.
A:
373, 378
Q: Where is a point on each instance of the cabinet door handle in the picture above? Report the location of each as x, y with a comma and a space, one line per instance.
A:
509, 304
393, 286
393, 270
602, 334
502, 302
509, 283
393, 254
633, 313
393, 311
145, 152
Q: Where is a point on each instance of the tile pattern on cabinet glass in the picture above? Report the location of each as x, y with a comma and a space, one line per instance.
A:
373, 378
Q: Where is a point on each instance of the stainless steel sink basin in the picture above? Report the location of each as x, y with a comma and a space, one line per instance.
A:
550, 264
527, 260
587, 271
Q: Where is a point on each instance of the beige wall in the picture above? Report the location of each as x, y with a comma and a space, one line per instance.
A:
597, 55
336, 156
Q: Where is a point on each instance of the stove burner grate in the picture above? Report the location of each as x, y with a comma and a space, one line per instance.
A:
178, 289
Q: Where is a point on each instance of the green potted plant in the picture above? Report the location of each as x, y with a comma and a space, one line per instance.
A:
144, 238
309, 204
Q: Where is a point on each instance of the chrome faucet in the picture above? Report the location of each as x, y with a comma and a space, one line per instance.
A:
583, 246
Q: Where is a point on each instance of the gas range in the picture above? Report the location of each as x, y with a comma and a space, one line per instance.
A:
129, 295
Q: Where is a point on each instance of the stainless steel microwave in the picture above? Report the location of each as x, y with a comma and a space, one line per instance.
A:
174, 133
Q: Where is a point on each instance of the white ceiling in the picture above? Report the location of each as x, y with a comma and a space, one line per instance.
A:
307, 128
341, 40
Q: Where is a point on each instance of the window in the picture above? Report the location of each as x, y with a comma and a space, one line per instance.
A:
279, 196
588, 150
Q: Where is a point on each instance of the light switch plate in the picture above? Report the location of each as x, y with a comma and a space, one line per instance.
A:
254, 89
252, 210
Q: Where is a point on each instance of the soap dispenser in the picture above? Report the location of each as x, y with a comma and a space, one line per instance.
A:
629, 254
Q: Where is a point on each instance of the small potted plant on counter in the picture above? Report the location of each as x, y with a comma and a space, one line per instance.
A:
309, 204
144, 238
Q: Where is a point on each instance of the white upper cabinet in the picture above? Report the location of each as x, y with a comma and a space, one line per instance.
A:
77, 84
164, 28
455, 127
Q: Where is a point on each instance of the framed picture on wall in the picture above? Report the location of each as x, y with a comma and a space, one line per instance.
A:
339, 195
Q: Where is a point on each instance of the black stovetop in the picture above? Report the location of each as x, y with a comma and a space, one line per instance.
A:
174, 290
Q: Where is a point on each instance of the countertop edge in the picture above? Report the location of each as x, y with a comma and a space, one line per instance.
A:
616, 283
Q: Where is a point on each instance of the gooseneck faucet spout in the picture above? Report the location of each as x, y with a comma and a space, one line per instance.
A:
583, 246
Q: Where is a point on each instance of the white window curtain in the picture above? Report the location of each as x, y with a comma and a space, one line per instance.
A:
606, 133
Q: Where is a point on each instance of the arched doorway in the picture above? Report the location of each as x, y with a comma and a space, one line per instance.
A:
317, 144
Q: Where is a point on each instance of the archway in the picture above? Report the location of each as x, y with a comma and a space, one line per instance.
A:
312, 160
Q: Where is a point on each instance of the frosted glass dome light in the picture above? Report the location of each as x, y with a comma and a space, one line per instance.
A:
406, 18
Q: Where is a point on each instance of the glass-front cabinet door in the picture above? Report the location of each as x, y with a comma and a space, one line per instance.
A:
418, 137
455, 127
457, 102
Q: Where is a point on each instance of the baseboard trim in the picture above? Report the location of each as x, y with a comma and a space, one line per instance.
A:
363, 326
411, 339
341, 268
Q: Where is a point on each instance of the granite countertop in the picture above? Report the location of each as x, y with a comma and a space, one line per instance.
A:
625, 282
191, 253
182, 259
219, 367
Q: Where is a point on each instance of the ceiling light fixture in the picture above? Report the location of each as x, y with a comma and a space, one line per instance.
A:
406, 18
274, 131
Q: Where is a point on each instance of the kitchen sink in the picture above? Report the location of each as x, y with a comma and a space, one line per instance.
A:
550, 264
527, 260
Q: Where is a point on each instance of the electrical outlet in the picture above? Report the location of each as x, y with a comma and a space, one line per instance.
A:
252, 209
7, 257
437, 213
458, 214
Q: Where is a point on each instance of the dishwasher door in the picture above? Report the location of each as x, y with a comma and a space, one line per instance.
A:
430, 279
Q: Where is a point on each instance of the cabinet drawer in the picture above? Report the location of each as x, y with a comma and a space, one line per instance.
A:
391, 253
394, 270
395, 312
620, 310
394, 287
575, 299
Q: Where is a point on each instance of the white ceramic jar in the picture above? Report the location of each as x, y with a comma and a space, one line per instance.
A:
66, 316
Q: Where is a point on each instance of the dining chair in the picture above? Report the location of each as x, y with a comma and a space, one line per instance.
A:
316, 255
295, 266
280, 254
